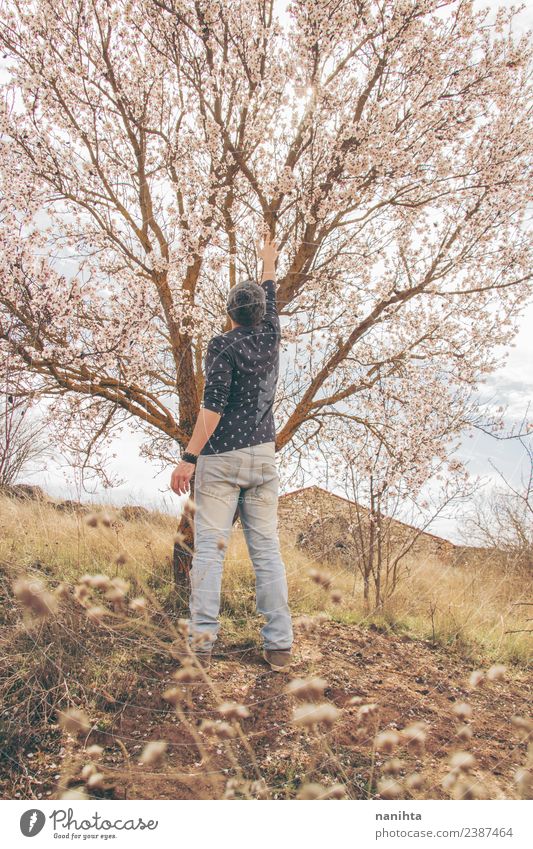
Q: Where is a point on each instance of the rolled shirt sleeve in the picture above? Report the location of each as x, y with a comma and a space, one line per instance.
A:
218, 375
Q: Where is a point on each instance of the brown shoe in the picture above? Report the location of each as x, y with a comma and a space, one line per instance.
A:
279, 660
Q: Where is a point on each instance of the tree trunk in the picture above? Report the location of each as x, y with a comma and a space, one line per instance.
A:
366, 584
181, 562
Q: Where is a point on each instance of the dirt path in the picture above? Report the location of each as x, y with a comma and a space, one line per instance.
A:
409, 681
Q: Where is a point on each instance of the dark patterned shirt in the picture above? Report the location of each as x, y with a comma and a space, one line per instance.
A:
241, 371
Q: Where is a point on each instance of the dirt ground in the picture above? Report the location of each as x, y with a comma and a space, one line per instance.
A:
409, 680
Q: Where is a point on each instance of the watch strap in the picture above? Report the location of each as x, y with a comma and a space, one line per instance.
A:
187, 457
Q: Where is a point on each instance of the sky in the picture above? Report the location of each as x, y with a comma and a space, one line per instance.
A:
511, 385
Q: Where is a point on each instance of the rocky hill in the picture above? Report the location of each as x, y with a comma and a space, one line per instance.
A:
319, 522
328, 527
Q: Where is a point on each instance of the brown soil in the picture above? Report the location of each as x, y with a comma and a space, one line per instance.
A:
409, 680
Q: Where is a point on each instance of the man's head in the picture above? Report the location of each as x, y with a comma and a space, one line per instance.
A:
246, 303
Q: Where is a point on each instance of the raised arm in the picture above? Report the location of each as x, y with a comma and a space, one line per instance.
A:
269, 254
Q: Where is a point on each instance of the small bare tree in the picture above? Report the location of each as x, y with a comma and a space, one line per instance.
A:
504, 520
22, 435
388, 522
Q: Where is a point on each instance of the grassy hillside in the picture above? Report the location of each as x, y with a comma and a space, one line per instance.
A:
112, 654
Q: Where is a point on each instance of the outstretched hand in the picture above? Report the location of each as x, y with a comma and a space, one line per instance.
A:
269, 251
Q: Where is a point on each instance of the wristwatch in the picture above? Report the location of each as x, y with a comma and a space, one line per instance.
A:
187, 457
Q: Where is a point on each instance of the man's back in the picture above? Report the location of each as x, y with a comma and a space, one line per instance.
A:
241, 369
236, 422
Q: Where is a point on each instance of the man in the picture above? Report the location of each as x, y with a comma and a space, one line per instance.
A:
232, 453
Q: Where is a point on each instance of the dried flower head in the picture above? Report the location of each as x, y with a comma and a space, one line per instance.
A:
116, 597
477, 678
414, 735
389, 788
310, 714
229, 791
187, 674
336, 596
96, 613
138, 605
106, 519
87, 771
120, 584
259, 789
312, 791
201, 638
74, 721
308, 624
387, 741
99, 582
305, 623
497, 672
414, 781
323, 579
74, 794
232, 710
467, 788
94, 752
462, 710
96, 781
523, 778
449, 780
222, 730
81, 594
362, 734
366, 712
91, 520
121, 558
34, 596
62, 590
462, 761
524, 726
319, 791
189, 508
306, 689
393, 766
174, 695
337, 791
153, 753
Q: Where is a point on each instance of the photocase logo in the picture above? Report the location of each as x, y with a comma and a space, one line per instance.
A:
32, 822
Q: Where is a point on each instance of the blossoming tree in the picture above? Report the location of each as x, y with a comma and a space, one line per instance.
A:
145, 144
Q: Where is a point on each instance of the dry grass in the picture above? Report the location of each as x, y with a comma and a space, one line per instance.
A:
99, 703
475, 607
34, 532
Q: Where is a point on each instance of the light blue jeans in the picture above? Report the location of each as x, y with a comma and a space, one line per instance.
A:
247, 478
